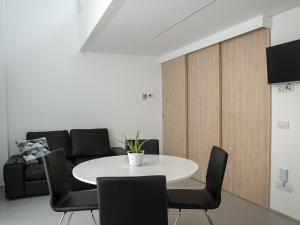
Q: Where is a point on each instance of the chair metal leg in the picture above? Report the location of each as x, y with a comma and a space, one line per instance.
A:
177, 218
70, 218
93, 217
208, 217
62, 218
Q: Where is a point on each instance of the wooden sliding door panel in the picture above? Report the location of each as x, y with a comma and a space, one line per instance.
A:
174, 83
203, 105
246, 116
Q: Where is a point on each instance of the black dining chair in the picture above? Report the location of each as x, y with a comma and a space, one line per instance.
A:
132, 200
62, 199
207, 198
150, 146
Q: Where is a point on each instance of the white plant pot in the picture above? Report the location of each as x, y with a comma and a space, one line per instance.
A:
135, 159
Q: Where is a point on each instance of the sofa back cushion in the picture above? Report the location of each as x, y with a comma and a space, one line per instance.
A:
90, 142
55, 139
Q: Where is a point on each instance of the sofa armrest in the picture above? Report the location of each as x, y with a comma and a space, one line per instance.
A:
15, 159
13, 173
118, 151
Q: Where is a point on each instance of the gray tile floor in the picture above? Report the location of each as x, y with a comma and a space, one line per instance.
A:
233, 211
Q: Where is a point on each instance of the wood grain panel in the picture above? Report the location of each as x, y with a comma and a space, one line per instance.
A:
174, 83
204, 106
246, 116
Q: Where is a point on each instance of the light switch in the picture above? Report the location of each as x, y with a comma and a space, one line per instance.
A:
285, 125
283, 175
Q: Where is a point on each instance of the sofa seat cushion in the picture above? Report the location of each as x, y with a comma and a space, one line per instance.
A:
90, 143
37, 171
79, 160
55, 139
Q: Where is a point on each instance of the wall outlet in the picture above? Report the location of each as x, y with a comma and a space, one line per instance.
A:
145, 96
284, 187
286, 88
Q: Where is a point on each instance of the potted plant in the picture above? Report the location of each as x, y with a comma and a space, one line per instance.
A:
135, 154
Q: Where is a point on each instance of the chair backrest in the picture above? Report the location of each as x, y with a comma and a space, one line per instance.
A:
132, 200
90, 142
57, 175
150, 147
215, 172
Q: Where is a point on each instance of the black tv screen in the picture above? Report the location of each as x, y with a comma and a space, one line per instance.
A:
283, 62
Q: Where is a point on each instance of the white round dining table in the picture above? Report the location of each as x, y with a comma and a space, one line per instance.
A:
174, 168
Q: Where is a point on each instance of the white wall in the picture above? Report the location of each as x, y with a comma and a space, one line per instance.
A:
286, 107
3, 121
90, 12
53, 86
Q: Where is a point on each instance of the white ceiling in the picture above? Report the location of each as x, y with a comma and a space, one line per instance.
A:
133, 26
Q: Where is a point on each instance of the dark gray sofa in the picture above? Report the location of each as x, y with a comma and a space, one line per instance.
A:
80, 145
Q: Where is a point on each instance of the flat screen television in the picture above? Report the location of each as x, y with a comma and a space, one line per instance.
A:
283, 62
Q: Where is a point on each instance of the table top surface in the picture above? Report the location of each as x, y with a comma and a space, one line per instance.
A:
174, 168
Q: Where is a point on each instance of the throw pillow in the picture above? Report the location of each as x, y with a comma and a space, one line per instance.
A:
33, 150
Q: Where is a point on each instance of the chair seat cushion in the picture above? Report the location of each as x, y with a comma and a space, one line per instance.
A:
78, 201
191, 199
37, 171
